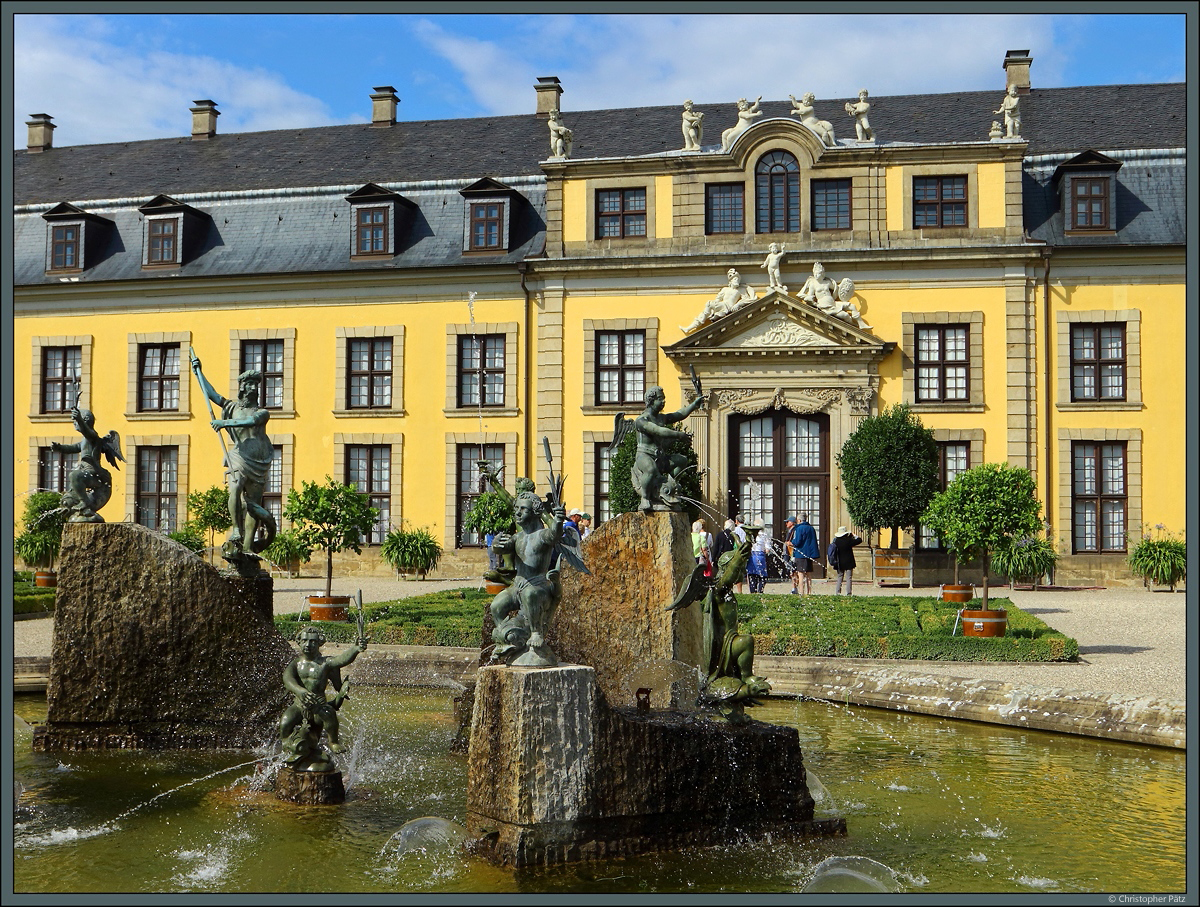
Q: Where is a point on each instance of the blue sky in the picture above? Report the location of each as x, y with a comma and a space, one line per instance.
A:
112, 78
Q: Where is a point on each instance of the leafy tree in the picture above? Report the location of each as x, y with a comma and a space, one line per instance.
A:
490, 512
624, 498
332, 517
44, 518
889, 469
983, 509
210, 511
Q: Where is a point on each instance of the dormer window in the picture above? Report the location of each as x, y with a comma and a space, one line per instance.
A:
380, 216
172, 232
490, 207
73, 239
1087, 186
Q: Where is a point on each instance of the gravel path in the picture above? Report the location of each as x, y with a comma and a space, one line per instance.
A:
1131, 641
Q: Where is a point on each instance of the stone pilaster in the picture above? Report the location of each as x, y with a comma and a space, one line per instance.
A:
550, 371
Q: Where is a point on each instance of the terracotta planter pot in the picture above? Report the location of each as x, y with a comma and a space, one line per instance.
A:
493, 588
334, 608
987, 622
47, 579
959, 594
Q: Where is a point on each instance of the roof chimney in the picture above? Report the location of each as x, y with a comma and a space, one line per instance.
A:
549, 90
204, 120
41, 132
1016, 70
383, 106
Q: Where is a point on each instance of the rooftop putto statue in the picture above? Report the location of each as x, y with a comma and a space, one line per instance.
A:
248, 462
1011, 108
730, 683
859, 110
655, 471
732, 296
560, 136
89, 485
306, 677
832, 299
808, 116
747, 114
772, 262
693, 127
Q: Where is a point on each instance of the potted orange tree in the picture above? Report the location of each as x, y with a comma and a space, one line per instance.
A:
38, 546
981, 511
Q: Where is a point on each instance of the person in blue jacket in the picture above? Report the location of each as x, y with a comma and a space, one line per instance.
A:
804, 550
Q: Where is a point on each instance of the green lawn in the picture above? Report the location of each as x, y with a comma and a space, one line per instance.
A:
892, 627
858, 627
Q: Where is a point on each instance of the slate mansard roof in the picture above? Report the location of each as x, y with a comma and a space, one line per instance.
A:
273, 196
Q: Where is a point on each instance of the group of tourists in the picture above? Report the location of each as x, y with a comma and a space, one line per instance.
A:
800, 546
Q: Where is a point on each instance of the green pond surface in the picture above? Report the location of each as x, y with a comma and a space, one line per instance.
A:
948, 806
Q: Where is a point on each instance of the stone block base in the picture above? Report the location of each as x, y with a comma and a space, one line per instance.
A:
309, 788
555, 775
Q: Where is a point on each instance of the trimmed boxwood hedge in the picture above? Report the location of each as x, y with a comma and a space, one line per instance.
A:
28, 598
893, 627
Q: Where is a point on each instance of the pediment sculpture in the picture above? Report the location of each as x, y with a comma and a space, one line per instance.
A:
832, 298
729, 298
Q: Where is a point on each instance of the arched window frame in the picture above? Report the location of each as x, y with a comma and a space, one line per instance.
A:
777, 193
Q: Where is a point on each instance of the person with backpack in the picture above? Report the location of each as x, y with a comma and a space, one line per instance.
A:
804, 550
841, 558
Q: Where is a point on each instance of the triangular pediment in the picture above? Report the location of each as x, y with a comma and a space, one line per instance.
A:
773, 324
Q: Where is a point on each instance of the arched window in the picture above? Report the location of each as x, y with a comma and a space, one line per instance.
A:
777, 190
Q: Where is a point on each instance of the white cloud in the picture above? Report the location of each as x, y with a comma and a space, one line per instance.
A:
98, 91
625, 61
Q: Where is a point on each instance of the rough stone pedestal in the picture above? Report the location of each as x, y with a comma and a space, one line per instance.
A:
616, 621
309, 788
154, 648
555, 775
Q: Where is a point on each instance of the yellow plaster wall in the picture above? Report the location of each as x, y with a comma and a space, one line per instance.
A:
574, 212
991, 194
663, 207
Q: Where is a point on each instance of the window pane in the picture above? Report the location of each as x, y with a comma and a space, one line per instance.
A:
635, 349
757, 500
956, 384
1112, 343
1083, 343
1112, 464
635, 225
756, 443
802, 443
957, 457
1085, 526
609, 387
956, 344
493, 389
1112, 381
609, 349
635, 199
929, 345
608, 200
804, 496
1113, 525
1084, 382
1085, 470
634, 387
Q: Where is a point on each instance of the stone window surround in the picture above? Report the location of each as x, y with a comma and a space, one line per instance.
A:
1132, 438
969, 170
131, 445
393, 440
1067, 202
910, 321
511, 332
646, 182
342, 367
287, 446
1132, 319
505, 204
590, 328
453, 441
36, 443
84, 342
80, 265
135, 341
590, 440
179, 228
288, 336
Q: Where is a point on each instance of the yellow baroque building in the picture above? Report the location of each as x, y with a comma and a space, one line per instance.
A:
420, 295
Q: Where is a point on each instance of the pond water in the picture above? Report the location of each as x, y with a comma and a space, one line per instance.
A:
946, 806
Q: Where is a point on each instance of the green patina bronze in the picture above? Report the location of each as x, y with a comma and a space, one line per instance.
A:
655, 471
248, 461
306, 677
89, 483
730, 683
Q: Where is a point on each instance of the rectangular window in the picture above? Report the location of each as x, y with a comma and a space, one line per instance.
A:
158, 371
487, 220
64, 247
724, 208
943, 363
369, 469
620, 213
603, 460
939, 201
1097, 362
371, 226
266, 356
471, 484
831, 204
481, 370
620, 366
370, 373
1099, 497
954, 458
53, 467
61, 366
157, 487
1089, 200
164, 241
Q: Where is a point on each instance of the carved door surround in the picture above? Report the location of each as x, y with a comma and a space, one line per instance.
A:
777, 353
